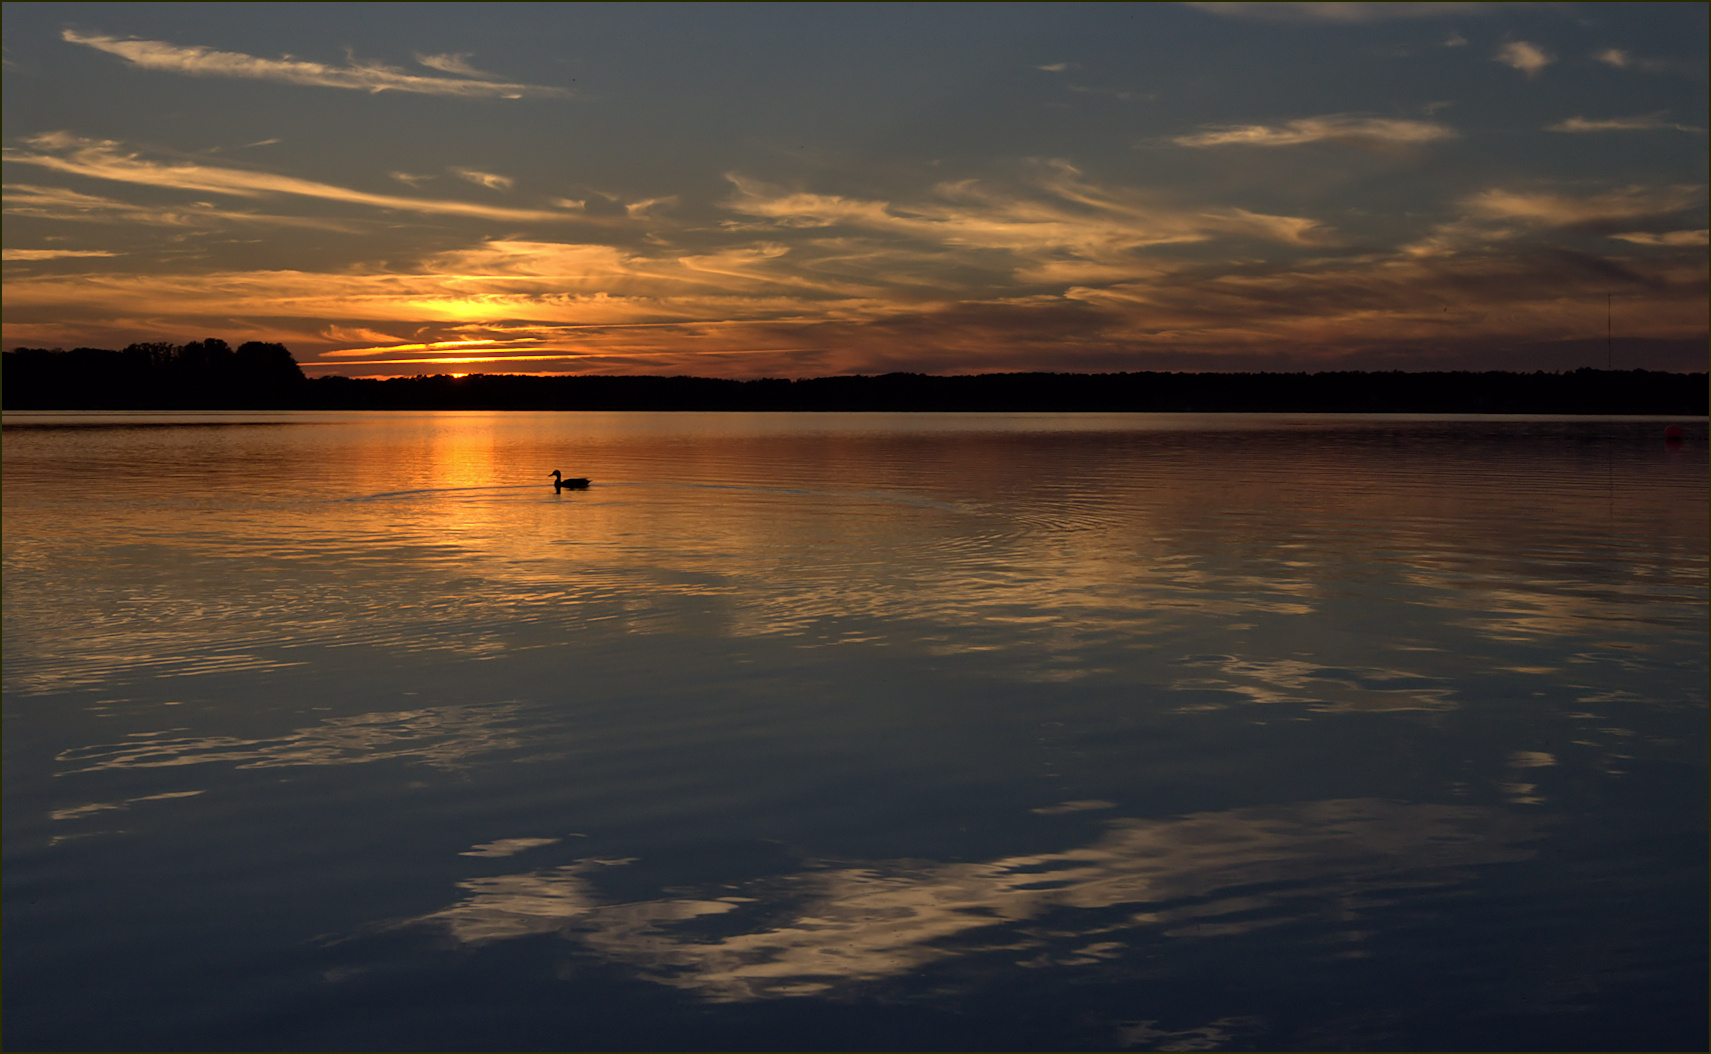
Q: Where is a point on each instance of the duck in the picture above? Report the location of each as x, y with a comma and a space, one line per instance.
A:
579, 483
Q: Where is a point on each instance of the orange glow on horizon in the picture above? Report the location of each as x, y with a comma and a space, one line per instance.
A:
383, 349
458, 360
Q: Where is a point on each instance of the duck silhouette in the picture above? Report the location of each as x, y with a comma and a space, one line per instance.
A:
579, 483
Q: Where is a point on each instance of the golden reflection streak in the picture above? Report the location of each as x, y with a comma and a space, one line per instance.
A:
1346, 688
844, 926
1085, 573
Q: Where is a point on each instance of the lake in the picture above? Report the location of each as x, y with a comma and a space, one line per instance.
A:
868, 731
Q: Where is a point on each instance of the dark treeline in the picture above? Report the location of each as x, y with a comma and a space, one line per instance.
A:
201, 375
210, 375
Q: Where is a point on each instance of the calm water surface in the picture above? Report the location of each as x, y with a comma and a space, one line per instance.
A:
854, 730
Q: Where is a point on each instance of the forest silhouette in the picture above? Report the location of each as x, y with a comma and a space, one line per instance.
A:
211, 375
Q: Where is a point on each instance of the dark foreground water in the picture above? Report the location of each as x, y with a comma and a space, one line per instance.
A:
868, 731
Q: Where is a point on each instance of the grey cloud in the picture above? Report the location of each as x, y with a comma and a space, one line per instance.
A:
1644, 123
1623, 60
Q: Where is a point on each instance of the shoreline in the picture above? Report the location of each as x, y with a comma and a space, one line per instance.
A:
1580, 392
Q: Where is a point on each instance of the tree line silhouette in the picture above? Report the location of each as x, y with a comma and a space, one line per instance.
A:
202, 375
209, 374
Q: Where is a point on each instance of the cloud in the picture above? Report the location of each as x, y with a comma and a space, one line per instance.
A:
458, 64
392, 347
1455, 40
484, 179
846, 304
1669, 238
1500, 215
1528, 58
1498, 295
1337, 12
1621, 206
348, 335
1336, 128
369, 77
1056, 67
639, 209
105, 159
1645, 123
410, 179
1623, 60
1045, 267
52, 254
60, 204
1055, 223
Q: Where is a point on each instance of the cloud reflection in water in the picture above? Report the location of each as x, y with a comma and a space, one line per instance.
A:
834, 926
445, 736
1319, 688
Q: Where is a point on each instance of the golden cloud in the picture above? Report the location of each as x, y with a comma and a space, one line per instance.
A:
106, 159
1335, 128
1648, 122
1563, 210
1528, 58
369, 77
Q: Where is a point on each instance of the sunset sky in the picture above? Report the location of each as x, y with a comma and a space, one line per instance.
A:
776, 190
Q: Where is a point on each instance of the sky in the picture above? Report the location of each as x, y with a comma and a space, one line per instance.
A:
781, 190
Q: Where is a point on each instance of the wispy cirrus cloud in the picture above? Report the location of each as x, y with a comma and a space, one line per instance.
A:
1549, 209
492, 296
1336, 12
1058, 215
1335, 128
759, 307
52, 254
358, 76
1666, 238
1644, 123
455, 63
650, 206
484, 179
1528, 58
105, 159
63, 205
1626, 60
1497, 215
